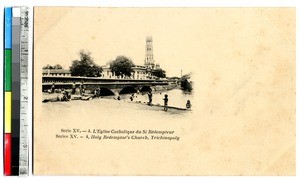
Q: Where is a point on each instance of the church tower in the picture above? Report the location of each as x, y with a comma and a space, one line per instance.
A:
149, 61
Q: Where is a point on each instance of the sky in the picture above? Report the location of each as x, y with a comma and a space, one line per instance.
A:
197, 40
60, 33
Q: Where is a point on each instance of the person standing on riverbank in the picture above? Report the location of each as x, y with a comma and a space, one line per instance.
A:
73, 88
150, 97
166, 102
81, 87
98, 92
95, 93
131, 97
52, 88
188, 104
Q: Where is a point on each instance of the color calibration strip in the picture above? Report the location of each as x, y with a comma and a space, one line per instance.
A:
7, 89
15, 130
16, 95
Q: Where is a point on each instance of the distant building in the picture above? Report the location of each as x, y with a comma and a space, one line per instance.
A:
106, 72
140, 72
56, 72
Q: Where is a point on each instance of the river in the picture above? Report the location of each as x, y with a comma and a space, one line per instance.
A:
108, 105
177, 97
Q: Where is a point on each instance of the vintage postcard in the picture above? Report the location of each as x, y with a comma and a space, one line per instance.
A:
164, 91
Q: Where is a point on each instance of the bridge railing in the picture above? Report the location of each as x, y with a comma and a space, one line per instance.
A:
92, 83
71, 79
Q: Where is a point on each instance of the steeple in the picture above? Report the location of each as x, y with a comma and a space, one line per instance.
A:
149, 60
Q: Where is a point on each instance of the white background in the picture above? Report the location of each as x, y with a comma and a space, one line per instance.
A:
139, 3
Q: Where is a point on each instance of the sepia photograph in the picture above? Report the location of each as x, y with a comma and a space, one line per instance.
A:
120, 80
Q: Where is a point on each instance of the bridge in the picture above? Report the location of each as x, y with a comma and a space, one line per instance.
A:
107, 86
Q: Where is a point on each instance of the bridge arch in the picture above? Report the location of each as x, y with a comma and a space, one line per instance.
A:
106, 91
128, 90
145, 88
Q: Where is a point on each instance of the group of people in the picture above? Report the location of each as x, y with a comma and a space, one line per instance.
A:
97, 92
81, 88
166, 100
66, 95
75, 89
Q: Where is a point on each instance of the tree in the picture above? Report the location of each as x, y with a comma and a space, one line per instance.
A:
185, 84
85, 66
48, 67
160, 73
57, 66
122, 66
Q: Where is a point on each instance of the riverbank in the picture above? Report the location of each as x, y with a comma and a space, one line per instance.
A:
177, 98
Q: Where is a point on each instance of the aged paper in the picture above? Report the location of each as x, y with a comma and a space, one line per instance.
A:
242, 65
